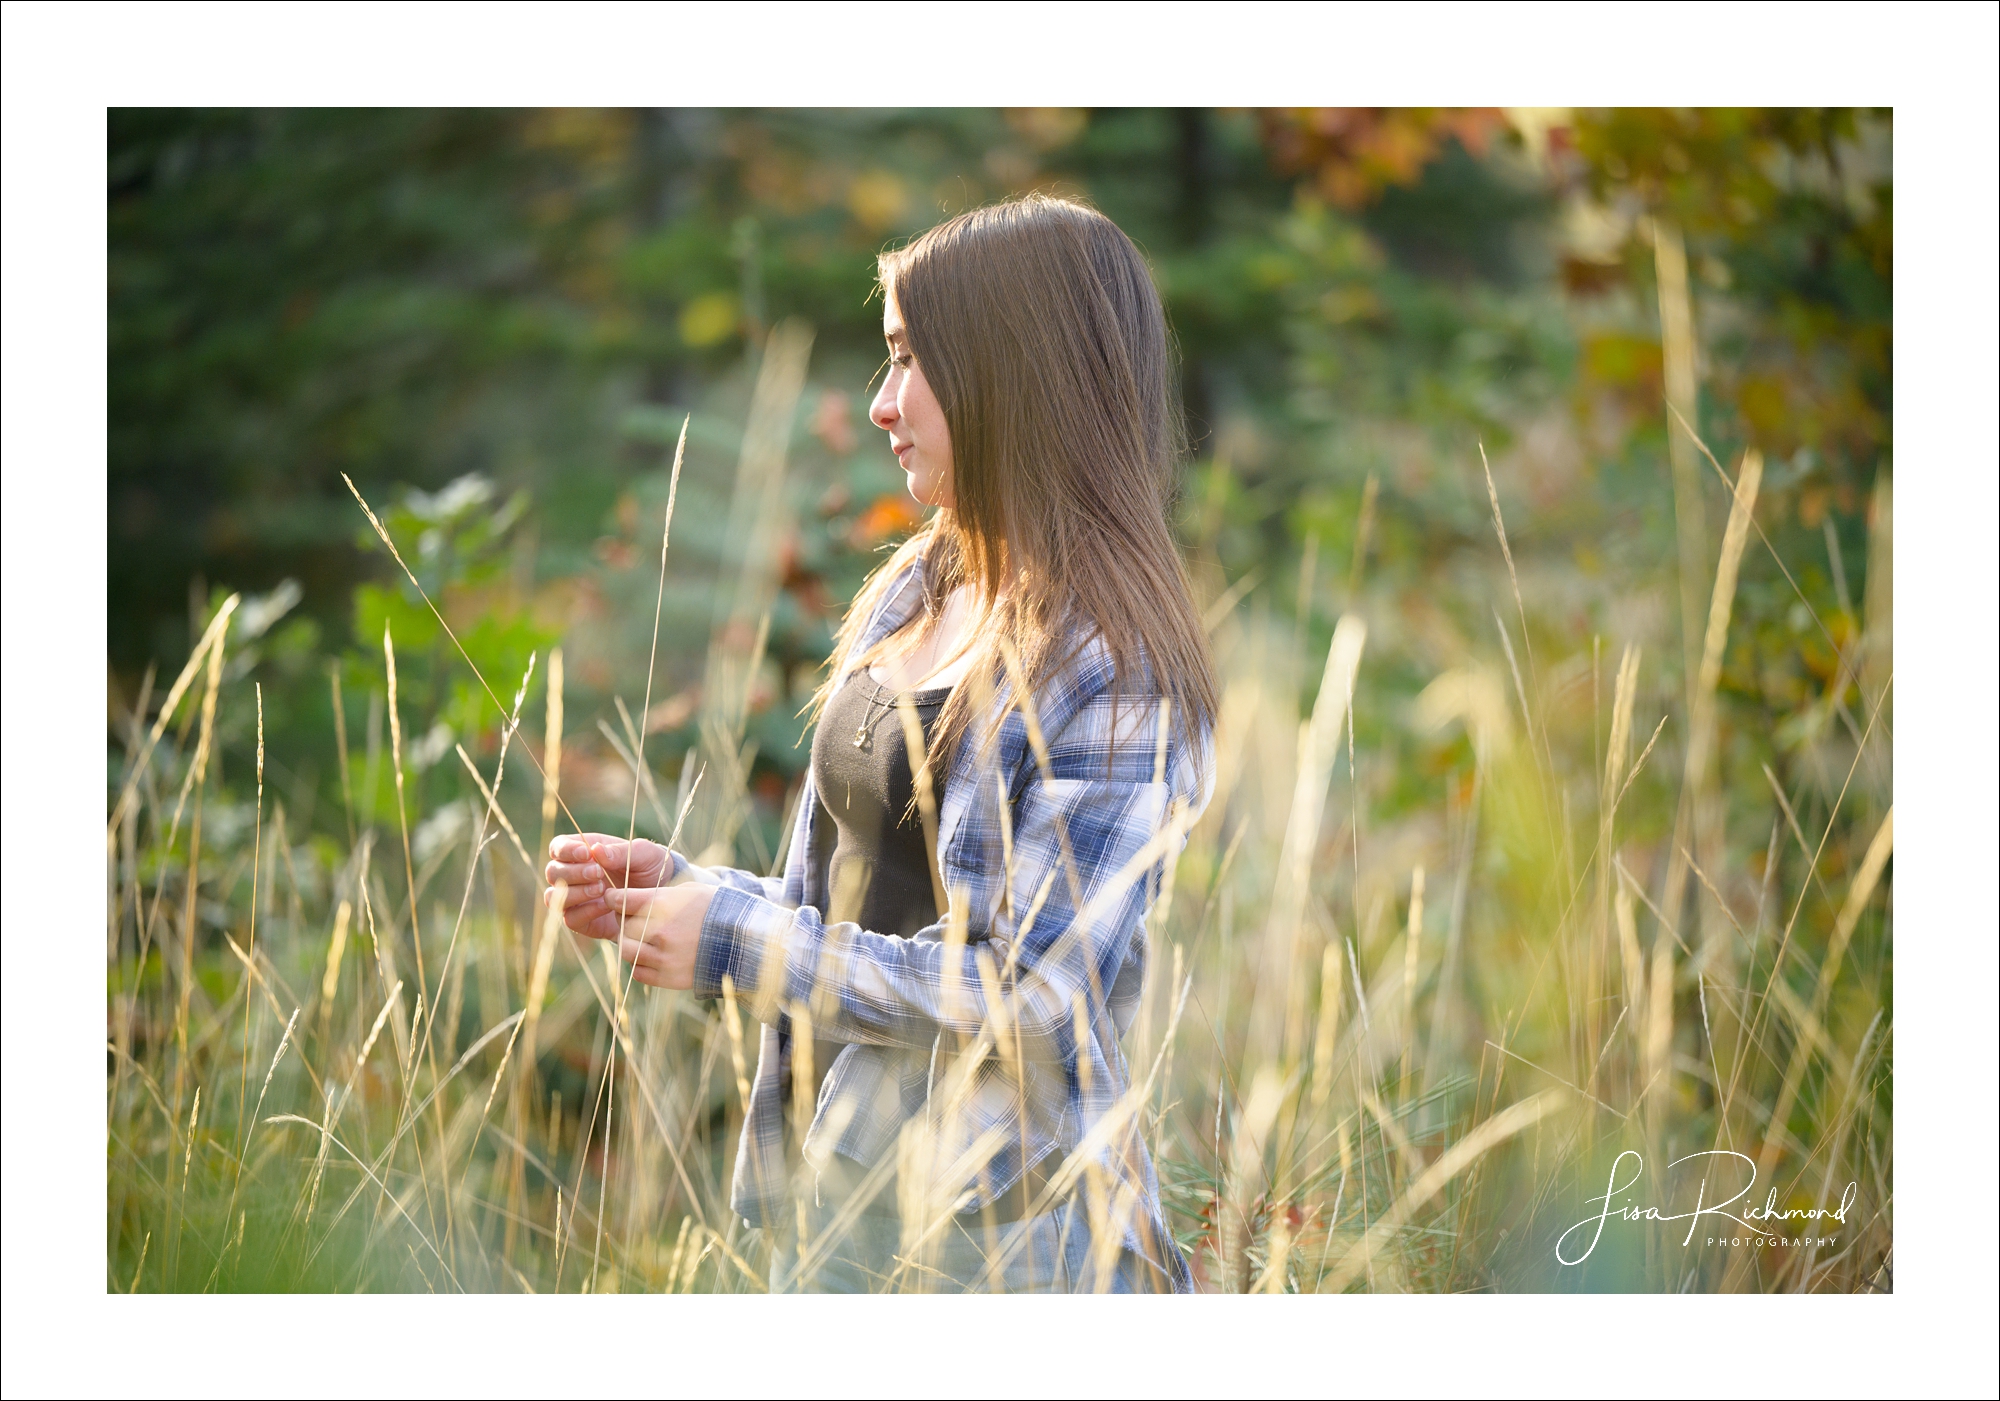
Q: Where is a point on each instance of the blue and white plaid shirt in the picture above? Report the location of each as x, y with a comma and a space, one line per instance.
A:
1050, 875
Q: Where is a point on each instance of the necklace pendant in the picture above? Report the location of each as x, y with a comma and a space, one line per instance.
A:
861, 738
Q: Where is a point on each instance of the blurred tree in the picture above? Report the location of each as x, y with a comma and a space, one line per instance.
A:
403, 296
1354, 154
1787, 215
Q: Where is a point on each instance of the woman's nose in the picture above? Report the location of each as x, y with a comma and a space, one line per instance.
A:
882, 413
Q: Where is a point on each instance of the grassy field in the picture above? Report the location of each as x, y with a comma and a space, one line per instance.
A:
1395, 1054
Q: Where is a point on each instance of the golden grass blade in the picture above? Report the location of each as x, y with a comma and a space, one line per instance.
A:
198, 780
1771, 549
494, 809
1858, 895
1677, 349
925, 792
374, 1031
735, 1028
1605, 853
1328, 1032
1622, 1114
680, 1251
479, 838
1657, 1027
330, 984
1449, 1165
187, 1166
194, 1117
340, 748
500, 1071
552, 740
1024, 700
1364, 527
1640, 764
249, 1005
1507, 553
210, 638
1412, 943
1303, 608
1406, 1152
1620, 743
1220, 610
1632, 963
283, 1042
639, 771
1865, 879
1697, 779
1246, 1171
402, 813
1319, 750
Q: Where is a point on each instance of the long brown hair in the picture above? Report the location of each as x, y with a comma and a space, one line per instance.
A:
1039, 330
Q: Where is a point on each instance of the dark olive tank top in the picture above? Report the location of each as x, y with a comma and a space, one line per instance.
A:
878, 867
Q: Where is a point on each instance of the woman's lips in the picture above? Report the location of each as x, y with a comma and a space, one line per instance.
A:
900, 451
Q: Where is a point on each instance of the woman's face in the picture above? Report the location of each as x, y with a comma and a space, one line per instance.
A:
908, 411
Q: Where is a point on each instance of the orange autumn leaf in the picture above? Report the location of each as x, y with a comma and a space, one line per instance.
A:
892, 514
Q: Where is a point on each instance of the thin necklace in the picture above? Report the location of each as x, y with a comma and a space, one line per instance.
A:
864, 733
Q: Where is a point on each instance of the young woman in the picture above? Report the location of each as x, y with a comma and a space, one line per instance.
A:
1011, 745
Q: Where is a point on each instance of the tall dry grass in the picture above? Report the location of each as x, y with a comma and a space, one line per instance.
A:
1402, 1056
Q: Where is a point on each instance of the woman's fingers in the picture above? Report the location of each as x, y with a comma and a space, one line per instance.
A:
637, 904
650, 964
598, 924
639, 952
601, 912
574, 896
576, 846
584, 910
637, 863
579, 875
651, 977
612, 859
592, 920
642, 911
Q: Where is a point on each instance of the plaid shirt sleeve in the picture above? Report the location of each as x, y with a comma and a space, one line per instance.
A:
725, 877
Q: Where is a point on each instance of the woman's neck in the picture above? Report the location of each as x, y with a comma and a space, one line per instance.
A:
938, 654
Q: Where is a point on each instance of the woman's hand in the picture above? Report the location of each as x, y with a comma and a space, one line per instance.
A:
662, 932
611, 889
591, 858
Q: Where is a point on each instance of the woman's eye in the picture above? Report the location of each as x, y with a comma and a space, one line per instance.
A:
901, 362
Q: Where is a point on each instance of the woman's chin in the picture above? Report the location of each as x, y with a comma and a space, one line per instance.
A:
923, 491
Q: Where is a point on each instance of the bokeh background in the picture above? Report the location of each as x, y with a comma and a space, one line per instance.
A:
495, 322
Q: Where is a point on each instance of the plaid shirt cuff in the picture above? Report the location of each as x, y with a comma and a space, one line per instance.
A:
745, 939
